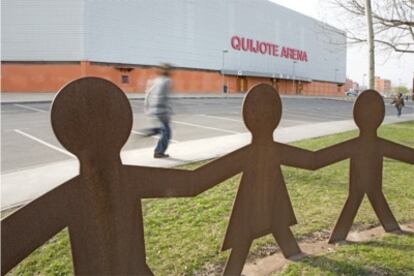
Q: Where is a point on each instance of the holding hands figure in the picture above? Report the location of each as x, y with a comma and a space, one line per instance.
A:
262, 205
366, 153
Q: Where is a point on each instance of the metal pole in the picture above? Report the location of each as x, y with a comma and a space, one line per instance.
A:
363, 80
294, 77
412, 91
222, 71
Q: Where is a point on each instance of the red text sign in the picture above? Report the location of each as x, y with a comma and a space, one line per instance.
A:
267, 48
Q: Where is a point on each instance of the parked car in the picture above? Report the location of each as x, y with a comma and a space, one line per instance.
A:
351, 93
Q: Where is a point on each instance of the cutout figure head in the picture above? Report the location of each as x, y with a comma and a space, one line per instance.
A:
262, 110
369, 110
91, 116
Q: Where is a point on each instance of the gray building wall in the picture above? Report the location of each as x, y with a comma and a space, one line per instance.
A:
186, 33
45, 30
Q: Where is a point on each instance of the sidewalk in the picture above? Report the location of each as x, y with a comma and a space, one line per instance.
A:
20, 187
11, 98
29, 97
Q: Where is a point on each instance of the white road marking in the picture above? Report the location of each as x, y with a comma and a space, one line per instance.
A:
30, 108
12, 129
136, 105
44, 143
221, 118
154, 137
206, 127
294, 122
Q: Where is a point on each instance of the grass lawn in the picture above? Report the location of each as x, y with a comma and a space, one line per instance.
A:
391, 255
184, 236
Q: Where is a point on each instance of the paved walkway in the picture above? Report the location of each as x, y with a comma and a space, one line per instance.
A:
48, 97
22, 186
30, 97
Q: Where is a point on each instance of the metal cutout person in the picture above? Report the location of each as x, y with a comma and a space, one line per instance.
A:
366, 153
262, 205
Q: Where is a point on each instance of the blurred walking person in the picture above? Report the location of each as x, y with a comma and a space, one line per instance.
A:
157, 105
398, 102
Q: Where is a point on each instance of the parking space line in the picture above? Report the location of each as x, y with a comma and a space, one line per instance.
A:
136, 104
30, 108
206, 127
43, 142
221, 118
192, 102
154, 137
291, 121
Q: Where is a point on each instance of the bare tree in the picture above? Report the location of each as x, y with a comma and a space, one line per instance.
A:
392, 22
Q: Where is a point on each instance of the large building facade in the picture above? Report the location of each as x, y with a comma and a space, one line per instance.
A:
211, 43
382, 85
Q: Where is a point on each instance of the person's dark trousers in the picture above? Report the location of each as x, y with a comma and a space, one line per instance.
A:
399, 108
165, 132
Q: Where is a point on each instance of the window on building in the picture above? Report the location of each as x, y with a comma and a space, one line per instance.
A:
125, 78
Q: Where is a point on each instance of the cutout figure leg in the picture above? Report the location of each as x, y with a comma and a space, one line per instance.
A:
287, 242
383, 211
344, 223
237, 258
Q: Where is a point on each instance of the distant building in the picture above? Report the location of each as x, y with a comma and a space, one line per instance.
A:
47, 43
382, 85
351, 85
348, 84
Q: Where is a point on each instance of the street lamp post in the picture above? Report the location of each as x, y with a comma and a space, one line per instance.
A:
336, 70
222, 71
294, 77
363, 80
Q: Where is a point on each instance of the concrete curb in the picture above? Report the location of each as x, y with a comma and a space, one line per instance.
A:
185, 97
28, 98
22, 186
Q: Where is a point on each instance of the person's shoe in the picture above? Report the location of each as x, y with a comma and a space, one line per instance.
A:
148, 132
160, 155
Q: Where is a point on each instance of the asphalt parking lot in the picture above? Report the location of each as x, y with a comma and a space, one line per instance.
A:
28, 140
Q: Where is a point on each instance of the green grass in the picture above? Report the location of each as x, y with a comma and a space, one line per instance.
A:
184, 236
391, 255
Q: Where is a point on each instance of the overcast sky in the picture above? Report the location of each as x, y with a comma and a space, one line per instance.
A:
398, 68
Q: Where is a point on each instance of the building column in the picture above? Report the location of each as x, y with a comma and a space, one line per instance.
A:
84, 65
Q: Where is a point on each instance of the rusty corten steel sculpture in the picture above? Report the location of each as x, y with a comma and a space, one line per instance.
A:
366, 153
262, 205
101, 207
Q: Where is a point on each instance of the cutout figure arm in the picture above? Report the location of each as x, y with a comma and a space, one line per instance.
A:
296, 157
334, 153
397, 151
161, 182
31, 226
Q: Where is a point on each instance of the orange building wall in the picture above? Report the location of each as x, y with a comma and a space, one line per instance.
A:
37, 77
50, 77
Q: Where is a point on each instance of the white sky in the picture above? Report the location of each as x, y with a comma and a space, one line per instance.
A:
398, 68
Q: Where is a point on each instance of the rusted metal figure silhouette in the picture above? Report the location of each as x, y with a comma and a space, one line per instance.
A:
366, 153
101, 206
262, 205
